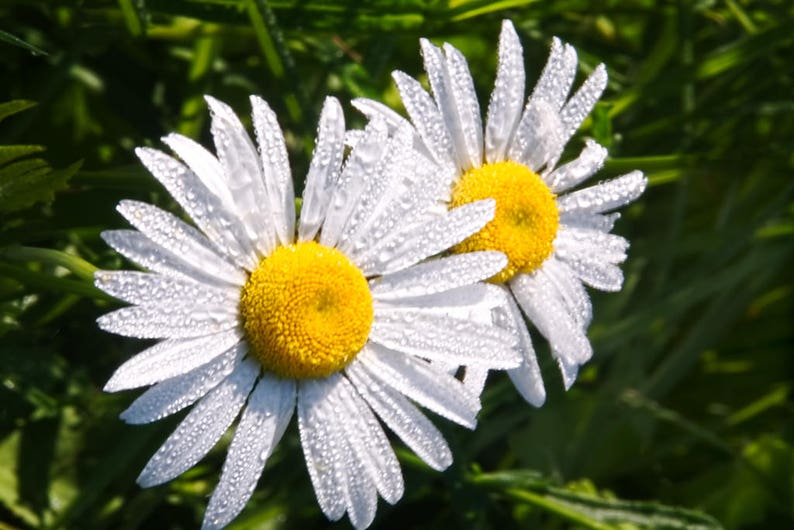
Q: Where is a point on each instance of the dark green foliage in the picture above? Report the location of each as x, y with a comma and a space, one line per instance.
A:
682, 420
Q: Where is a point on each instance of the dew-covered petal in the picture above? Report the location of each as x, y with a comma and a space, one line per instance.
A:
369, 443
429, 238
245, 178
147, 288
443, 338
402, 417
202, 428
170, 358
507, 97
221, 226
568, 369
144, 252
570, 289
204, 164
361, 498
595, 272
377, 110
363, 163
441, 84
384, 182
590, 221
605, 196
526, 377
468, 108
275, 169
180, 238
581, 103
589, 161
538, 137
261, 427
169, 321
324, 169
426, 118
474, 378
438, 275
557, 77
425, 384
542, 304
172, 395
587, 243
323, 445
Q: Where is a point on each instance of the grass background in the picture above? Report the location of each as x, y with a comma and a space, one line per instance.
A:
682, 420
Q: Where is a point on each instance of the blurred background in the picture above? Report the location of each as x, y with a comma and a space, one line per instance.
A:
682, 420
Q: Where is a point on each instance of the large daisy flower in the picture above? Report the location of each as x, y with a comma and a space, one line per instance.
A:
336, 318
555, 239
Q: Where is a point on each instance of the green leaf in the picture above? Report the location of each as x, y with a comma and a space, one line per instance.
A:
12, 107
26, 182
9, 153
16, 41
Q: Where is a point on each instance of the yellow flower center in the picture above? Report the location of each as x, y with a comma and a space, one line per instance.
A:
526, 219
307, 311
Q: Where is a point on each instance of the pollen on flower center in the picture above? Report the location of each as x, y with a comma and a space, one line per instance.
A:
307, 311
526, 219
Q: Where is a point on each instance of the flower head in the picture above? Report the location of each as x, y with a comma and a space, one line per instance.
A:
335, 317
555, 239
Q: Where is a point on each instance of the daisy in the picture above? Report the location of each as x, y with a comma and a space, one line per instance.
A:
335, 318
555, 239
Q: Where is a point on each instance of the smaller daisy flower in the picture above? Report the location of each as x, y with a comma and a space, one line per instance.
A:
556, 238
336, 318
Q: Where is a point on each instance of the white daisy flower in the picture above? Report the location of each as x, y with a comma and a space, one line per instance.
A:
555, 239
336, 318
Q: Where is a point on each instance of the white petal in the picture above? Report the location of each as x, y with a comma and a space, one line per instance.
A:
539, 136
383, 183
587, 243
262, 424
557, 77
431, 387
168, 321
591, 221
172, 395
474, 379
275, 168
605, 196
180, 238
440, 82
170, 358
426, 118
202, 428
146, 288
361, 498
569, 370
220, 225
428, 239
438, 275
507, 97
443, 338
362, 164
466, 103
244, 177
589, 161
375, 110
527, 377
323, 446
204, 164
324, 170
581, 103
369, 443
570, 289
144, 252
595, 272
402, 417
543, 306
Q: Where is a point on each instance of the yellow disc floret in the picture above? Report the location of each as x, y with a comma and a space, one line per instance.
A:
526, 219
307, 311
